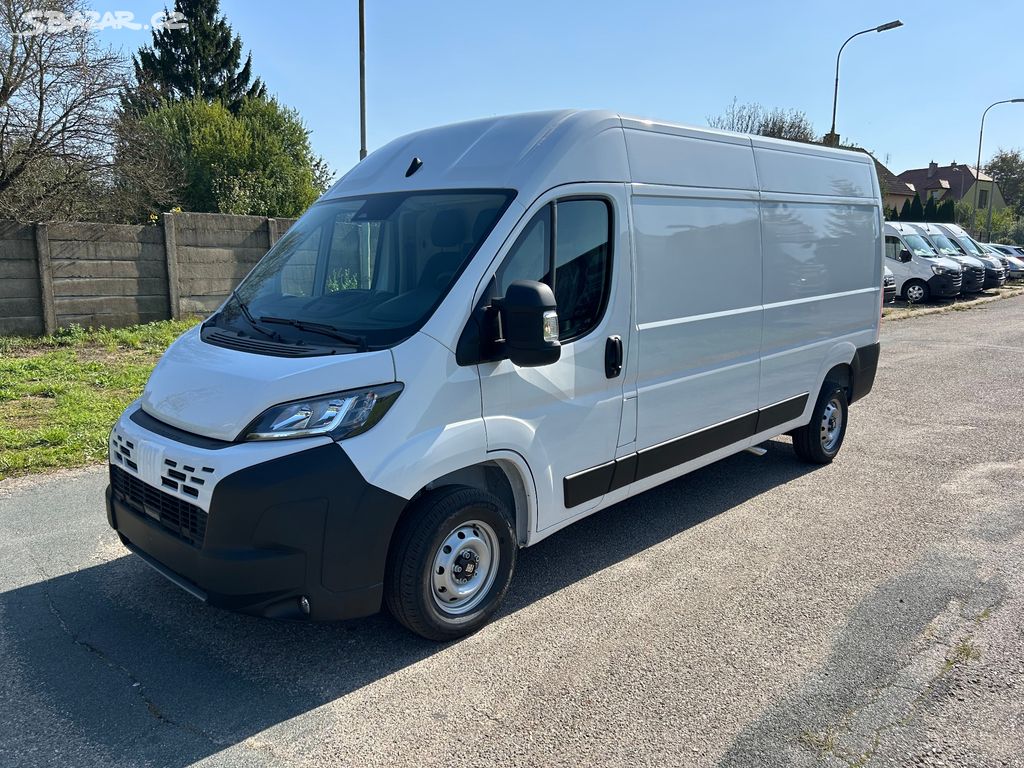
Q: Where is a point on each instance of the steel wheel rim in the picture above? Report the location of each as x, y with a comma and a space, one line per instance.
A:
915, 293
831, 425
463, 575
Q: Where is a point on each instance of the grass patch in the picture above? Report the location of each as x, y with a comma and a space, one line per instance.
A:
60, 394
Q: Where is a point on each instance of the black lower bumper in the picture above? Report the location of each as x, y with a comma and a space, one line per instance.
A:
889, 294
947, 285
973, 280
994, 277
864, 366
302, 526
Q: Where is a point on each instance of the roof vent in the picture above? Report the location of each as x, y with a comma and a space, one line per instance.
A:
414, 166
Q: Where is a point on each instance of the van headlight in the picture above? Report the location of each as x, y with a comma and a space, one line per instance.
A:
341, 415
943, 270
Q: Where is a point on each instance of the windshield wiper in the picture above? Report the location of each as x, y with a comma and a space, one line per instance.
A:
248, 316
322, 328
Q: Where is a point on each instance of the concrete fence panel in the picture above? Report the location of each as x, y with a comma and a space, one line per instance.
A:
53, 275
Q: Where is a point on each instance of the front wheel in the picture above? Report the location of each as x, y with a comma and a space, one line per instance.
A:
819, 441
451, 563
916, 292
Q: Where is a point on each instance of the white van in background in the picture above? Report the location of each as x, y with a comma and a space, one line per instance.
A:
485, 332
973, 269
995, 274
921, 273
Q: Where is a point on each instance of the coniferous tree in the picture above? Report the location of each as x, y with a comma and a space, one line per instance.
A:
916, 209
946, 213
930, 210
905, 211
201, 61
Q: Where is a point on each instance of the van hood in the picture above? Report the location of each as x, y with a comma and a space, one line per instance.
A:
217, 392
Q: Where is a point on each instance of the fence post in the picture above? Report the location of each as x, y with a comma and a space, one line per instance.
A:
171, 254
271, 232
45, 278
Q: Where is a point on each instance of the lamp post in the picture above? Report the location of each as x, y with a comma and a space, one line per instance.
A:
977, 168
362, 80
833, 139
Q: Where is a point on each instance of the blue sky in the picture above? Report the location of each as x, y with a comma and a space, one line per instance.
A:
910, 95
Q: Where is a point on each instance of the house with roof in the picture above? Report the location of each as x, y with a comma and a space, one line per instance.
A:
955, 181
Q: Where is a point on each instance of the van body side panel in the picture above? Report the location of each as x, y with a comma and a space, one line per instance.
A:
822, 284
698, 311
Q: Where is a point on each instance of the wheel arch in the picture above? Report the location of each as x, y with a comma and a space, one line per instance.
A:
503, 474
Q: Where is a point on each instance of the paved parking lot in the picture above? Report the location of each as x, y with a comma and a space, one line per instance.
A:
757, 612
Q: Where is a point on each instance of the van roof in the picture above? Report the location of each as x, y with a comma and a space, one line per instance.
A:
535, 151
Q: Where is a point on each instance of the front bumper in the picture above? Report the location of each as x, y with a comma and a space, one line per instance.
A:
994, 277
305, 525
947, 285
889, 294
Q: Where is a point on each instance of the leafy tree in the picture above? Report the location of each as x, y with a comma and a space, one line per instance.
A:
930, 210
1007, 168
257, 162
905, 211
916, 209
201, 61
779, 123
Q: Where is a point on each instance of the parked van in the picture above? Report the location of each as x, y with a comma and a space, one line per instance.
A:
485, 332
973, 269
888, 286
1012, 258
921, 273
995, 275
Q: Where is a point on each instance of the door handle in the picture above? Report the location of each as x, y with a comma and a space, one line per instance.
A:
613, 356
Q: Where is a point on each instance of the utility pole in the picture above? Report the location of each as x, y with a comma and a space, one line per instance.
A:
362, 79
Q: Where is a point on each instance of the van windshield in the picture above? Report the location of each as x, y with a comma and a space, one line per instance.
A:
944, 245
969, 246
363, 271
919, 246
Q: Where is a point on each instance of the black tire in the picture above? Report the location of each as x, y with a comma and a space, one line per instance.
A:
919, 289
812, 442
409, 582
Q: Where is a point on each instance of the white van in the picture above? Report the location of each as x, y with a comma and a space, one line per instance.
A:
973, 269
485, 332
995, 274
921, 273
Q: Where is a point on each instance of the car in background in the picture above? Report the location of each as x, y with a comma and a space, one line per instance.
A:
973, 269
888, 285
920, 272
1012, 258
995, 274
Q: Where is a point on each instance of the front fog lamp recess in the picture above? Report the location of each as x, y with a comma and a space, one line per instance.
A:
339, 415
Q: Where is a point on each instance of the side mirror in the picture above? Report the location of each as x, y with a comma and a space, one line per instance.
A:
529, 322
905, 255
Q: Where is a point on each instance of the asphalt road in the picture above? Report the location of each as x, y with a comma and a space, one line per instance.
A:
756, 612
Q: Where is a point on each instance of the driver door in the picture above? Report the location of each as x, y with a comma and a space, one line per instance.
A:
564, 418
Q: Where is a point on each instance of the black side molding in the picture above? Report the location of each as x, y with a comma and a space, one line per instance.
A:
597, 481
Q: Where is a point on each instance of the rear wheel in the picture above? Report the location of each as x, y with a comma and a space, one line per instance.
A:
819, 441
916, 291
451, 563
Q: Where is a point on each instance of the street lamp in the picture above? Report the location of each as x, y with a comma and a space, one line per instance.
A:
977, 168
833, 138
362, 80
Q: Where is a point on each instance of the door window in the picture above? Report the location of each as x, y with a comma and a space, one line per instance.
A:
580, 231
893, 246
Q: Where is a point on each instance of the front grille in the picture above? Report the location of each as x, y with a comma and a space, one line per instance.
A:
186, 521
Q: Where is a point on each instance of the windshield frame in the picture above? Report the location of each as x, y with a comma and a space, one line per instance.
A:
233, 314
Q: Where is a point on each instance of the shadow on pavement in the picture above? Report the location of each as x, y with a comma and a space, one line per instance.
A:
112, 654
